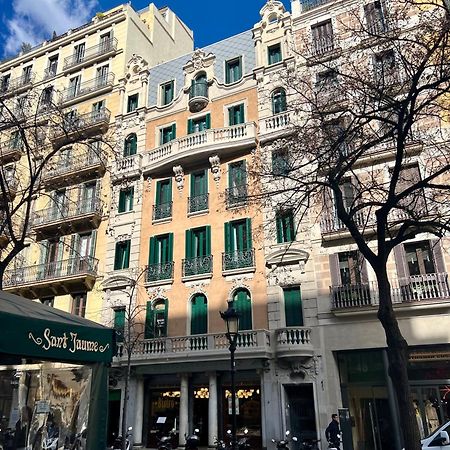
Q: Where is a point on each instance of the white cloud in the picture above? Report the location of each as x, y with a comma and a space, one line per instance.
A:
34, 21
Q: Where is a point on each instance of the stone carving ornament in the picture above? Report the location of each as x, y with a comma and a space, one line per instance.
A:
215, 168
179, 177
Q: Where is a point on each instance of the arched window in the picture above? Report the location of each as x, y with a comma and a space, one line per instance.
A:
278, 101
199, 314
200, 77
130, 145
243, 305
156, 319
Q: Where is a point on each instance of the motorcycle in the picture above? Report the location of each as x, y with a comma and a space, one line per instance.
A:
165, 442
242, 443
220, 444
284, 443
192, 440
119, 440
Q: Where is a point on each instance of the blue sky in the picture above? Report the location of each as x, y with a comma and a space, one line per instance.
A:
35, 20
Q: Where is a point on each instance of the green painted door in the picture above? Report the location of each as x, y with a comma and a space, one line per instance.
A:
149, 331
293, 307
238, 236
242, 304
199, 315
164, 191
199, 184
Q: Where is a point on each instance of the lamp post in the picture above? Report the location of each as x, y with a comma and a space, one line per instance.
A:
231, 318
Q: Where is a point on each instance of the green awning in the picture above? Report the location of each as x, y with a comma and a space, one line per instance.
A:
33, 330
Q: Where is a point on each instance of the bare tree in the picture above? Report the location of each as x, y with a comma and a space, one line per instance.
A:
367, 146
34, 130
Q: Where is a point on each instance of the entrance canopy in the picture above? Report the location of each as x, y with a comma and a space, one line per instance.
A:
33, 330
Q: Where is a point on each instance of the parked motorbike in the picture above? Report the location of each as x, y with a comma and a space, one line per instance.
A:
220, 444
310, 444
165, 441
192, 440
119, 440
242, 443
284, 443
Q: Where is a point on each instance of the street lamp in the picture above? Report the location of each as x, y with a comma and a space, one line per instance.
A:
231, 318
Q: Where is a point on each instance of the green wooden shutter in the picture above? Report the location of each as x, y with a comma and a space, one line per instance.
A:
239, 70
227, 73
166, 317
293, 307
241, 113
248, 230
231, 116
122, 201
149, 331
117, 256
133, 145
199, 315
93, 243
227, 230
188, 244
174, 131
170, 249
279, 220
131, 199
152, 253
126, 256
119, 323
190, 126
242, 304
158, 193
208, 121
208, 240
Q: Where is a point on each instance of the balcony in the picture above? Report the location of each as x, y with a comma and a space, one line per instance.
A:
162, 212
310, 4
83, 166
322, 46
202, 347
88, 89
198, 267
91, 54
68, 218
294, 343
17, 85
162, 272
4, 231
276, 125
198, 95
198, 204
236, 196
242, 260
11, 183
417, 288
79, 127
193, 148
50, 72
127, 167
54, 278
11, 150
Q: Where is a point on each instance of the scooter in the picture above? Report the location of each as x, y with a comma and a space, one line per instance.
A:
119, 439
165, 442
284, 443
192, 440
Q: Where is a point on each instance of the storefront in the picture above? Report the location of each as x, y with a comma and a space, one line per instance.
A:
368, 392
53, 376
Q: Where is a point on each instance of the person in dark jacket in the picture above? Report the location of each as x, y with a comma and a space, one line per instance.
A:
333, 432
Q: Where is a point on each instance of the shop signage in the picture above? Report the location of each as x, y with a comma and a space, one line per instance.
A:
67, 341
42, 407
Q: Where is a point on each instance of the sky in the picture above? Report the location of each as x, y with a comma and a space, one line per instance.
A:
33, 21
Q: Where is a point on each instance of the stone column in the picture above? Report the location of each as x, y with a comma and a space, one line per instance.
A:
139, 412
184, 408
212, 410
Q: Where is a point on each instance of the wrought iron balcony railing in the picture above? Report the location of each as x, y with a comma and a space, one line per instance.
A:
49, 72
322, 45
198, 203
90, 53
78, 162
310, 4
162, 211
17, 83
54, 270
197, 266
431, 286
159, 272
236, 196
67, 211
87, 87
81, 122
240, 259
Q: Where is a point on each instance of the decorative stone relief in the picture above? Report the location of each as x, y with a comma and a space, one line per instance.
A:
215, 168
148, 184
158, 292
199, 60
238, 284
136, 64
179, 177
123, 237
308, 368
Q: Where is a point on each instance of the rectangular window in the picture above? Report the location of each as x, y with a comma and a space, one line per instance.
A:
274, 54
126, 197
122, 255
385, 67
167, 134
236, 115
46, 97
322, 37
280, 162
237, 182
160, 259
233, 70
327, 81
102, 76
99, 106
419, 258
105, 42
74, 86
285, 226
198, 251
199, 124
119, 323
52, 66
79, 304
293, 309
350, 264
415, 202
132, 104
26, 74
5, 82
78, 53
167, 92
198, 200
375, 17
238, 245
163, 200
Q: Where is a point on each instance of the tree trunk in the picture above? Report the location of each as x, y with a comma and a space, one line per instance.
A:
2, 274
125, 402
398, 363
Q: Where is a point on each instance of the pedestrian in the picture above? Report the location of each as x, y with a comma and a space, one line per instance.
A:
333, 432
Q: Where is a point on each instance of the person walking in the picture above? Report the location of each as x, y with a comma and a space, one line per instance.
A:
333, 432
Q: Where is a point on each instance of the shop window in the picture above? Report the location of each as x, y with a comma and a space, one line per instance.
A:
233, 70
156, 319
130, 147
79, 304
122, 255
279, 101
199, 314
132, 103
243, 305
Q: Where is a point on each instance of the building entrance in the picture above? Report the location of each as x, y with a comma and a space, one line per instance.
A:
200, 413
